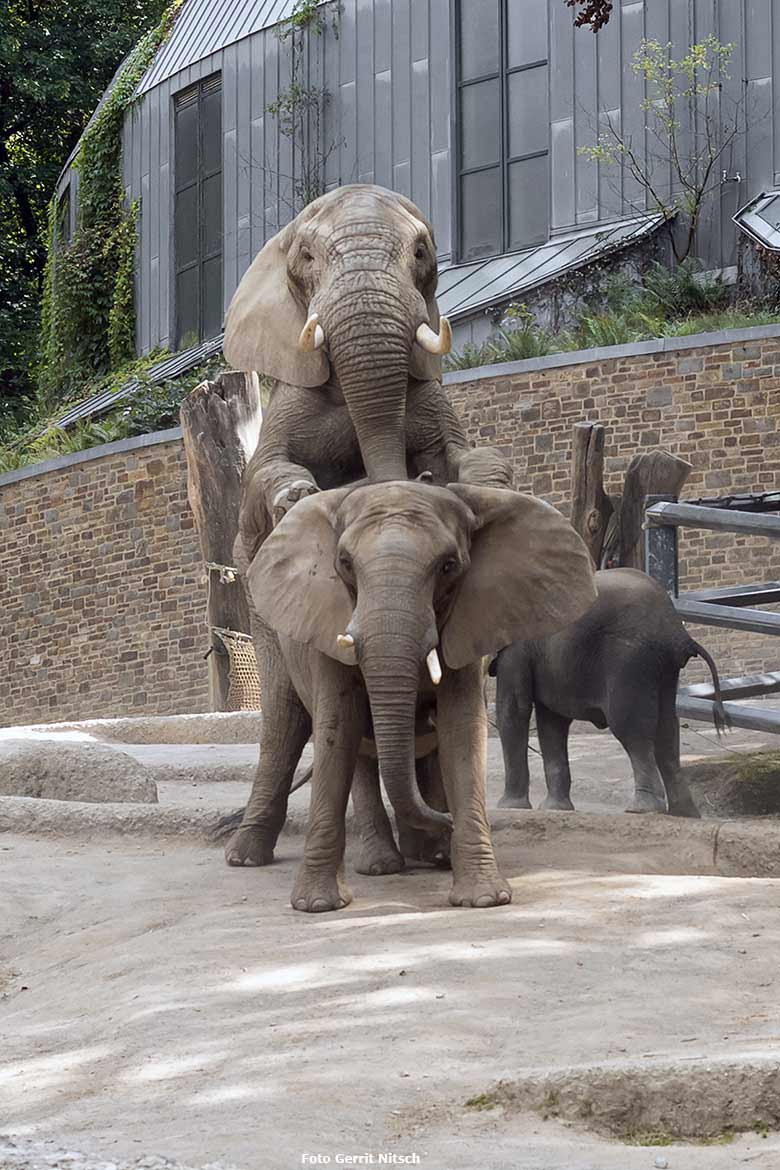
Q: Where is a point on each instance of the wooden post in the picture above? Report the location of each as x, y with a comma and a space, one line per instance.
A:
221, 425
656, 473
591, 507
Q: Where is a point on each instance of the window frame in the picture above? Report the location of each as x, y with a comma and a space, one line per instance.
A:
198, 90
505, 161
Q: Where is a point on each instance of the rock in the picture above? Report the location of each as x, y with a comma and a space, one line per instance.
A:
79, 769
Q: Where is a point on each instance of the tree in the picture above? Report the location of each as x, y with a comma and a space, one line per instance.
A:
56, 60
694, 84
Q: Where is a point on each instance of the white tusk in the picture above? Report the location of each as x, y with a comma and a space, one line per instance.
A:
434, 667
312, 336
440, 342
345, 642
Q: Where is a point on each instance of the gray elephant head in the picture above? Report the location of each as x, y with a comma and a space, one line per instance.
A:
348, 288
381, 576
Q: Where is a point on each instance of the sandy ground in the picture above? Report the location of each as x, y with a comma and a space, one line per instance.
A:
154, 1001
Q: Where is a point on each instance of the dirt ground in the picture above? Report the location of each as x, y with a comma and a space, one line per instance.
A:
156, 1002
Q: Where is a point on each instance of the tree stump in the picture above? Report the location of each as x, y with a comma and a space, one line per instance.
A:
655, 473
221, 426
591, 506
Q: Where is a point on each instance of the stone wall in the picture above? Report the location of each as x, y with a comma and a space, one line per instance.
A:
102, 592
715, 405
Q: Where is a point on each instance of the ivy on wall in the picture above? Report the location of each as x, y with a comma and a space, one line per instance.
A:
88, 312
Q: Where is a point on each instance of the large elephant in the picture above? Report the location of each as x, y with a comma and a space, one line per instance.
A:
365, 587
339, 309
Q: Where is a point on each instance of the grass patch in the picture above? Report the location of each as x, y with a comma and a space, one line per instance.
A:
759, 766
670, 303
482, 1101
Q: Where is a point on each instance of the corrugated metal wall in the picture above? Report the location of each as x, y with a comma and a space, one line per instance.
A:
388, 74
591, 77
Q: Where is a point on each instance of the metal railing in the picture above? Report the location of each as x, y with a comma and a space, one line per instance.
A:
728, 607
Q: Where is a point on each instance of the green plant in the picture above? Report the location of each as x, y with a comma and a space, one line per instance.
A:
519, 336
692, 82
88, 313
300, 108
686, 288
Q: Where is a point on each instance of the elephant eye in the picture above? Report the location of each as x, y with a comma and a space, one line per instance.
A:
306, 255
345, 562
449, 566
420, 252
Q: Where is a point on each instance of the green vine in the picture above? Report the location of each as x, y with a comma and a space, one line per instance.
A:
88, 314
300, 108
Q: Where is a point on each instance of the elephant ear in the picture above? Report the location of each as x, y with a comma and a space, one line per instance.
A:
531, 575
265, 318
292, 580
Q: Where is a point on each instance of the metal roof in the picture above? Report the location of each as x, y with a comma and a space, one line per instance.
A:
465, 289
205, 26
760, 219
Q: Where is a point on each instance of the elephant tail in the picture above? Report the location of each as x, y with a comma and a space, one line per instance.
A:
719, 714
226, 826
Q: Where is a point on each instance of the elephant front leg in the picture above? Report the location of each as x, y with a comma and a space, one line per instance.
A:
462, 727
378, 850
339, 721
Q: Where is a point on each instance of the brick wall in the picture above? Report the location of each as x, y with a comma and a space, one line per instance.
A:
102, 592
717, 406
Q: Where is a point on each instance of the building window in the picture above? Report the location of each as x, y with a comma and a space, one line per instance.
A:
502, 125
198, 212
63, 218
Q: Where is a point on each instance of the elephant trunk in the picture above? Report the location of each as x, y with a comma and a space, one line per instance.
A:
390, 655
370, 331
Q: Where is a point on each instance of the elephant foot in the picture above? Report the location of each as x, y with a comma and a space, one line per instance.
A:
509, 800
415, 845
557, 804
250, 846
378, 857
315, 892
290, 495
481, 892
646, 802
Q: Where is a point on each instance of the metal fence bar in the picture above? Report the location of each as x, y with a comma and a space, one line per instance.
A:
717, 519
766, 594
746, 687
704, 613
750, 718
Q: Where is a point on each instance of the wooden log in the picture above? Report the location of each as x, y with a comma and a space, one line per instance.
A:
221, 425
650, 474
591, 507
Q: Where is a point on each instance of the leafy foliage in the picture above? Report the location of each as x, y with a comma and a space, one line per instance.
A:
595, 13
152, 406
87, 319
55, 62
669, 303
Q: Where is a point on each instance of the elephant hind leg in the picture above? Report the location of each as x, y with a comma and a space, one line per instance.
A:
553, 732
667, 754
378, 851
632, 717
513, 718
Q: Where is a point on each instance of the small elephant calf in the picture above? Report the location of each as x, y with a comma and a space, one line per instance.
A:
616, 667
